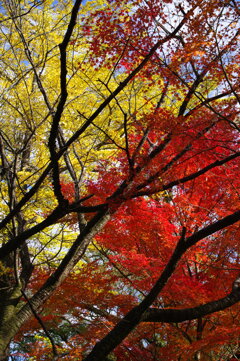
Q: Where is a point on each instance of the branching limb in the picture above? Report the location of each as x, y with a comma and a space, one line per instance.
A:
57, 214
60, 107
173, 160
174, 315
191, 176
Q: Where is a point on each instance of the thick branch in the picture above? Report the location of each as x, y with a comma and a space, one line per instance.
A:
189, 177
17, 241
61, 103
212, 228
172, 315
57, 214
192, 176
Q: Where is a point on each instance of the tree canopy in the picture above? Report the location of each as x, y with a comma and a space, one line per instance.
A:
119, 180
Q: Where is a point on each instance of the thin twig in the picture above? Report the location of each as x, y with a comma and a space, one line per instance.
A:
40, 321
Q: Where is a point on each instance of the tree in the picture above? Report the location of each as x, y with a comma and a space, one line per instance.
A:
119, 179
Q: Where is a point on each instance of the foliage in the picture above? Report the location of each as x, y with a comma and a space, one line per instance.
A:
119, 189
